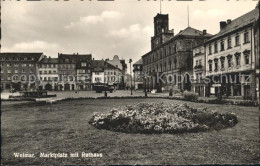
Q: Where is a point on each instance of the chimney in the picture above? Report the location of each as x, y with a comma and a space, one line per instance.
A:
222, 24
77, 53
228, 21
204, 31
93, 58
49, 57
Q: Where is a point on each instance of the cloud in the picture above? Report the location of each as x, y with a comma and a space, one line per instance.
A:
34, 46
95, 19
134, 31
208, 13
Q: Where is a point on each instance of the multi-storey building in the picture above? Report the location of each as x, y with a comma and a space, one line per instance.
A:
84, 72
71, 67
48, 72
231, 58
112, 75
98, 72
170, 57
138, 74
121, 65
19, 71
199, 84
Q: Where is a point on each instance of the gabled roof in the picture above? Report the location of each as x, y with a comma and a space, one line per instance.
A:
139, 62
189, 31
74, 58
50, 60
22, 55
238, 23
110, 66
98, 65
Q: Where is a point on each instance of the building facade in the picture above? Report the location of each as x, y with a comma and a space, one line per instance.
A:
48, 72
169, 63
199, 84
98, 72
231, 58
122, 66
19, 71
71, 68
138, 74
112, 75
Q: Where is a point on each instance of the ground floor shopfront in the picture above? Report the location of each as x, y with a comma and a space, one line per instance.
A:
175, 80
19, 86
239, 85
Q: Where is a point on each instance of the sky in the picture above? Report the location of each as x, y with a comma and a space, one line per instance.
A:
105, 29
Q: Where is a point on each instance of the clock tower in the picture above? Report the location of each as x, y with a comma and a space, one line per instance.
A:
161, 30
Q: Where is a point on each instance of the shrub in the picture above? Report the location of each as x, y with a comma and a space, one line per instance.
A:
190, 96
160, 118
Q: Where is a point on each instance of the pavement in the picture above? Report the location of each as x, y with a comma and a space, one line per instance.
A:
82, 94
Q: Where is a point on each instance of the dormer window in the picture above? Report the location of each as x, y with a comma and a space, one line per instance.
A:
83, 64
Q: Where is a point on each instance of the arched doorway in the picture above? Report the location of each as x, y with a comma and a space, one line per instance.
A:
187, 82
48, 87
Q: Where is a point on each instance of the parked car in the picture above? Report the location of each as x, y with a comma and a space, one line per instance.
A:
101, 88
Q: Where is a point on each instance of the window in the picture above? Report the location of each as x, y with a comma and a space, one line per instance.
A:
197, 62
222, 60
2, 71
24, 65
229, 42
45, 72
82, 71
9, 71
246, 37
216, 64
237, 40
23, 70
2, 65
15, 71
9, 78
84, 64
246, 59
16, 65
238, 60
30, 65
230, 62
216, 47
210, 50
49, 71
9, 65
40, 72
210, 65
222, 45
97, 73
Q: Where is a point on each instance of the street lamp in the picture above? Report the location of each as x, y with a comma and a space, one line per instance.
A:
130, 61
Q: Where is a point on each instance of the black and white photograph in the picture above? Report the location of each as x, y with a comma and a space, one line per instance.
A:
130, 82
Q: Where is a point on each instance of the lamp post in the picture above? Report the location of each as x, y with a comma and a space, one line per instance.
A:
145, 91
130, 61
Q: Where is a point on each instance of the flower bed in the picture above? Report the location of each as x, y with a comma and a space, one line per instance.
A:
161, 118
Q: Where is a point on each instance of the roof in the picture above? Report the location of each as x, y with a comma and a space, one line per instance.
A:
238, 23
98, 65
139, 62
49, 60
110, 66
74, 58
189, 31
15, 55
